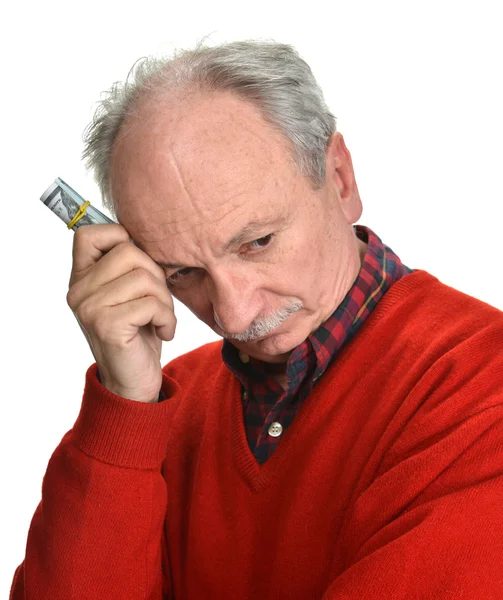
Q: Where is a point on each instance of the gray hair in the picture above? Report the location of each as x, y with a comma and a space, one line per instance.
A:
269, 75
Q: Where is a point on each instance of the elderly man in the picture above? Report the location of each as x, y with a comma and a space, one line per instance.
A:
344, 441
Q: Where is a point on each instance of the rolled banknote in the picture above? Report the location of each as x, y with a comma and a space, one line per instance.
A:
66, 203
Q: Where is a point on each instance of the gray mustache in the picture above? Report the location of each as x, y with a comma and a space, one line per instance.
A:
260, 327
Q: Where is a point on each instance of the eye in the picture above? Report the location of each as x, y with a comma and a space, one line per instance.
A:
179, 276
262, 242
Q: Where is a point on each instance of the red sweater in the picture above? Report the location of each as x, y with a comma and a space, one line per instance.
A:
388, 484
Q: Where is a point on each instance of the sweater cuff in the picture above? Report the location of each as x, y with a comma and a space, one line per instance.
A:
124, 432
160, 398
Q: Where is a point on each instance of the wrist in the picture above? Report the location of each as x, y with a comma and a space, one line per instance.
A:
124, 394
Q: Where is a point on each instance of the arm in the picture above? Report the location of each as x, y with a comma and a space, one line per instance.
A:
98, 531
439, 540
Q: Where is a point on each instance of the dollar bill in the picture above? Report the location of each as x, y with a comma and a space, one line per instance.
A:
64, 201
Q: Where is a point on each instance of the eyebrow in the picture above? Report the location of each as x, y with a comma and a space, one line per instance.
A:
248, 230
171, 265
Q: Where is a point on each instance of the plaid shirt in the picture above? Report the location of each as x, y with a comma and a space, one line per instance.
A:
268, 408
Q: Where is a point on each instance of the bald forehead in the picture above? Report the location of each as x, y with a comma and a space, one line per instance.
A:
201, 149
203, 169
199, 123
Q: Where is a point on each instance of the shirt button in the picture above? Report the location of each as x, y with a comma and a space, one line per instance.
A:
244, 357
275, 430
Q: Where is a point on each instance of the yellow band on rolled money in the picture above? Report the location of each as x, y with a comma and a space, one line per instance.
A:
79, 214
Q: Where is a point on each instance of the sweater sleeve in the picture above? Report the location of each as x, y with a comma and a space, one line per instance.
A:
430, 526
98, 530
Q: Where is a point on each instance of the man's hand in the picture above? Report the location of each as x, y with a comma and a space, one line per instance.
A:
119, 297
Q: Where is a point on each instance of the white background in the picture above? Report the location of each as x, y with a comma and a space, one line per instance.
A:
415, 86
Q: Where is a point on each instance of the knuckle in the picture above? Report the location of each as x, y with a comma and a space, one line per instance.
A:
70, 297
126, 250
120, 229
159, 272
141, 276
135, 256
145, 281
80, 238
73, 294
79, 234
168, 298
152, 303
85, 312
172, 330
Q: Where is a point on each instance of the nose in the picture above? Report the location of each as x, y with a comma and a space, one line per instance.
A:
235, 301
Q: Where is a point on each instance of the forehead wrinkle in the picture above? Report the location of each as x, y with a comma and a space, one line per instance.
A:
214, 222
185, 215
198, 196
192, 221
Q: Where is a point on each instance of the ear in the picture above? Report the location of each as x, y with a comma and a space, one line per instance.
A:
339, 174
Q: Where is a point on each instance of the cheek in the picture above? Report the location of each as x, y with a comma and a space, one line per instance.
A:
197, 302
292, 278
304, 273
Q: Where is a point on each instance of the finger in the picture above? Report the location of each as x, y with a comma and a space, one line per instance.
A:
121, 259
119, 325
130, 286
91, 242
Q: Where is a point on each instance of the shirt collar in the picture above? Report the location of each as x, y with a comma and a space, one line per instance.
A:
380, 269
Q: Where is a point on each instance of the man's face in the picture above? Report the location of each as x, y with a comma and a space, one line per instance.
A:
208, 188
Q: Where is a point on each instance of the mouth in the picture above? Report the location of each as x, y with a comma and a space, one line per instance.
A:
244, 338
253, 340
267, 335
262, 338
